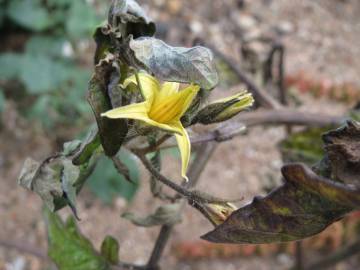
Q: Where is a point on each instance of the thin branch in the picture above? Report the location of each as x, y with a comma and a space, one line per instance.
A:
24, 247
260, 95
204, 153
179, 189
288, 117
159, 246
127, 266
264, 117
299, 264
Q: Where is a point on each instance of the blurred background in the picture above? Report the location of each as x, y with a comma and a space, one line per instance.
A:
46, 60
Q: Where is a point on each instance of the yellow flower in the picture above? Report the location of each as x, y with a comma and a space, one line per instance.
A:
163, 107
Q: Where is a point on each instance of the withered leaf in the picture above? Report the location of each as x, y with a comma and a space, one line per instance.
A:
57, 180
112, 131
343, 152
87, 147
44, 179
130, 18
304, 206
186, 65
307, 202
164, 215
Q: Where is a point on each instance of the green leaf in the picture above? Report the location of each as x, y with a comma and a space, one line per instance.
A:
59, 3
304, 146
2, 15
110, 249
106, 183
2, 101
13, 63
81, 20
45, 45
29, 14
68, 248
164, 215
186, 65
42, 74
42, 110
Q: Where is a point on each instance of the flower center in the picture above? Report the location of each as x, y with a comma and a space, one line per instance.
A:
167, 109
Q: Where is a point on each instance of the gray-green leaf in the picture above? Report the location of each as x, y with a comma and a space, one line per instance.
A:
186, 65
44, 180
164, 215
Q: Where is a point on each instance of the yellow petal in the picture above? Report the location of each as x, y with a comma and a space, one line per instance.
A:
171, 108
138, 111
168, 89
184, 145
191, 91
149, 85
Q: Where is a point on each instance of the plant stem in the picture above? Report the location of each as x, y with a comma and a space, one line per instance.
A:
336, 257
299, 265
179, 189
264, 117
159, 246
204, 153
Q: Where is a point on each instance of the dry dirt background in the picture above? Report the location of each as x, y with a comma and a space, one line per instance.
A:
321, 38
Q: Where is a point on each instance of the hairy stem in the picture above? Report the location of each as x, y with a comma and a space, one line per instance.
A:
204, 153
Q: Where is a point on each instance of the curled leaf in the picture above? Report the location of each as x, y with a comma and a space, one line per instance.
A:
164, 215
42, 178
56, 179
304, 206
112, 131
343, 152
130, 18
186, 65
87, 147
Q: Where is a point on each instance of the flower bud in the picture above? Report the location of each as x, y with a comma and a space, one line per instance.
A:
217, 213
225, 109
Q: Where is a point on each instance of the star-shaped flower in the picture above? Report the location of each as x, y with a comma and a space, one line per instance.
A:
163, 107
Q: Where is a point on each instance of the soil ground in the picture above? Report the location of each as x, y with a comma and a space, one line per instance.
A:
321, 37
